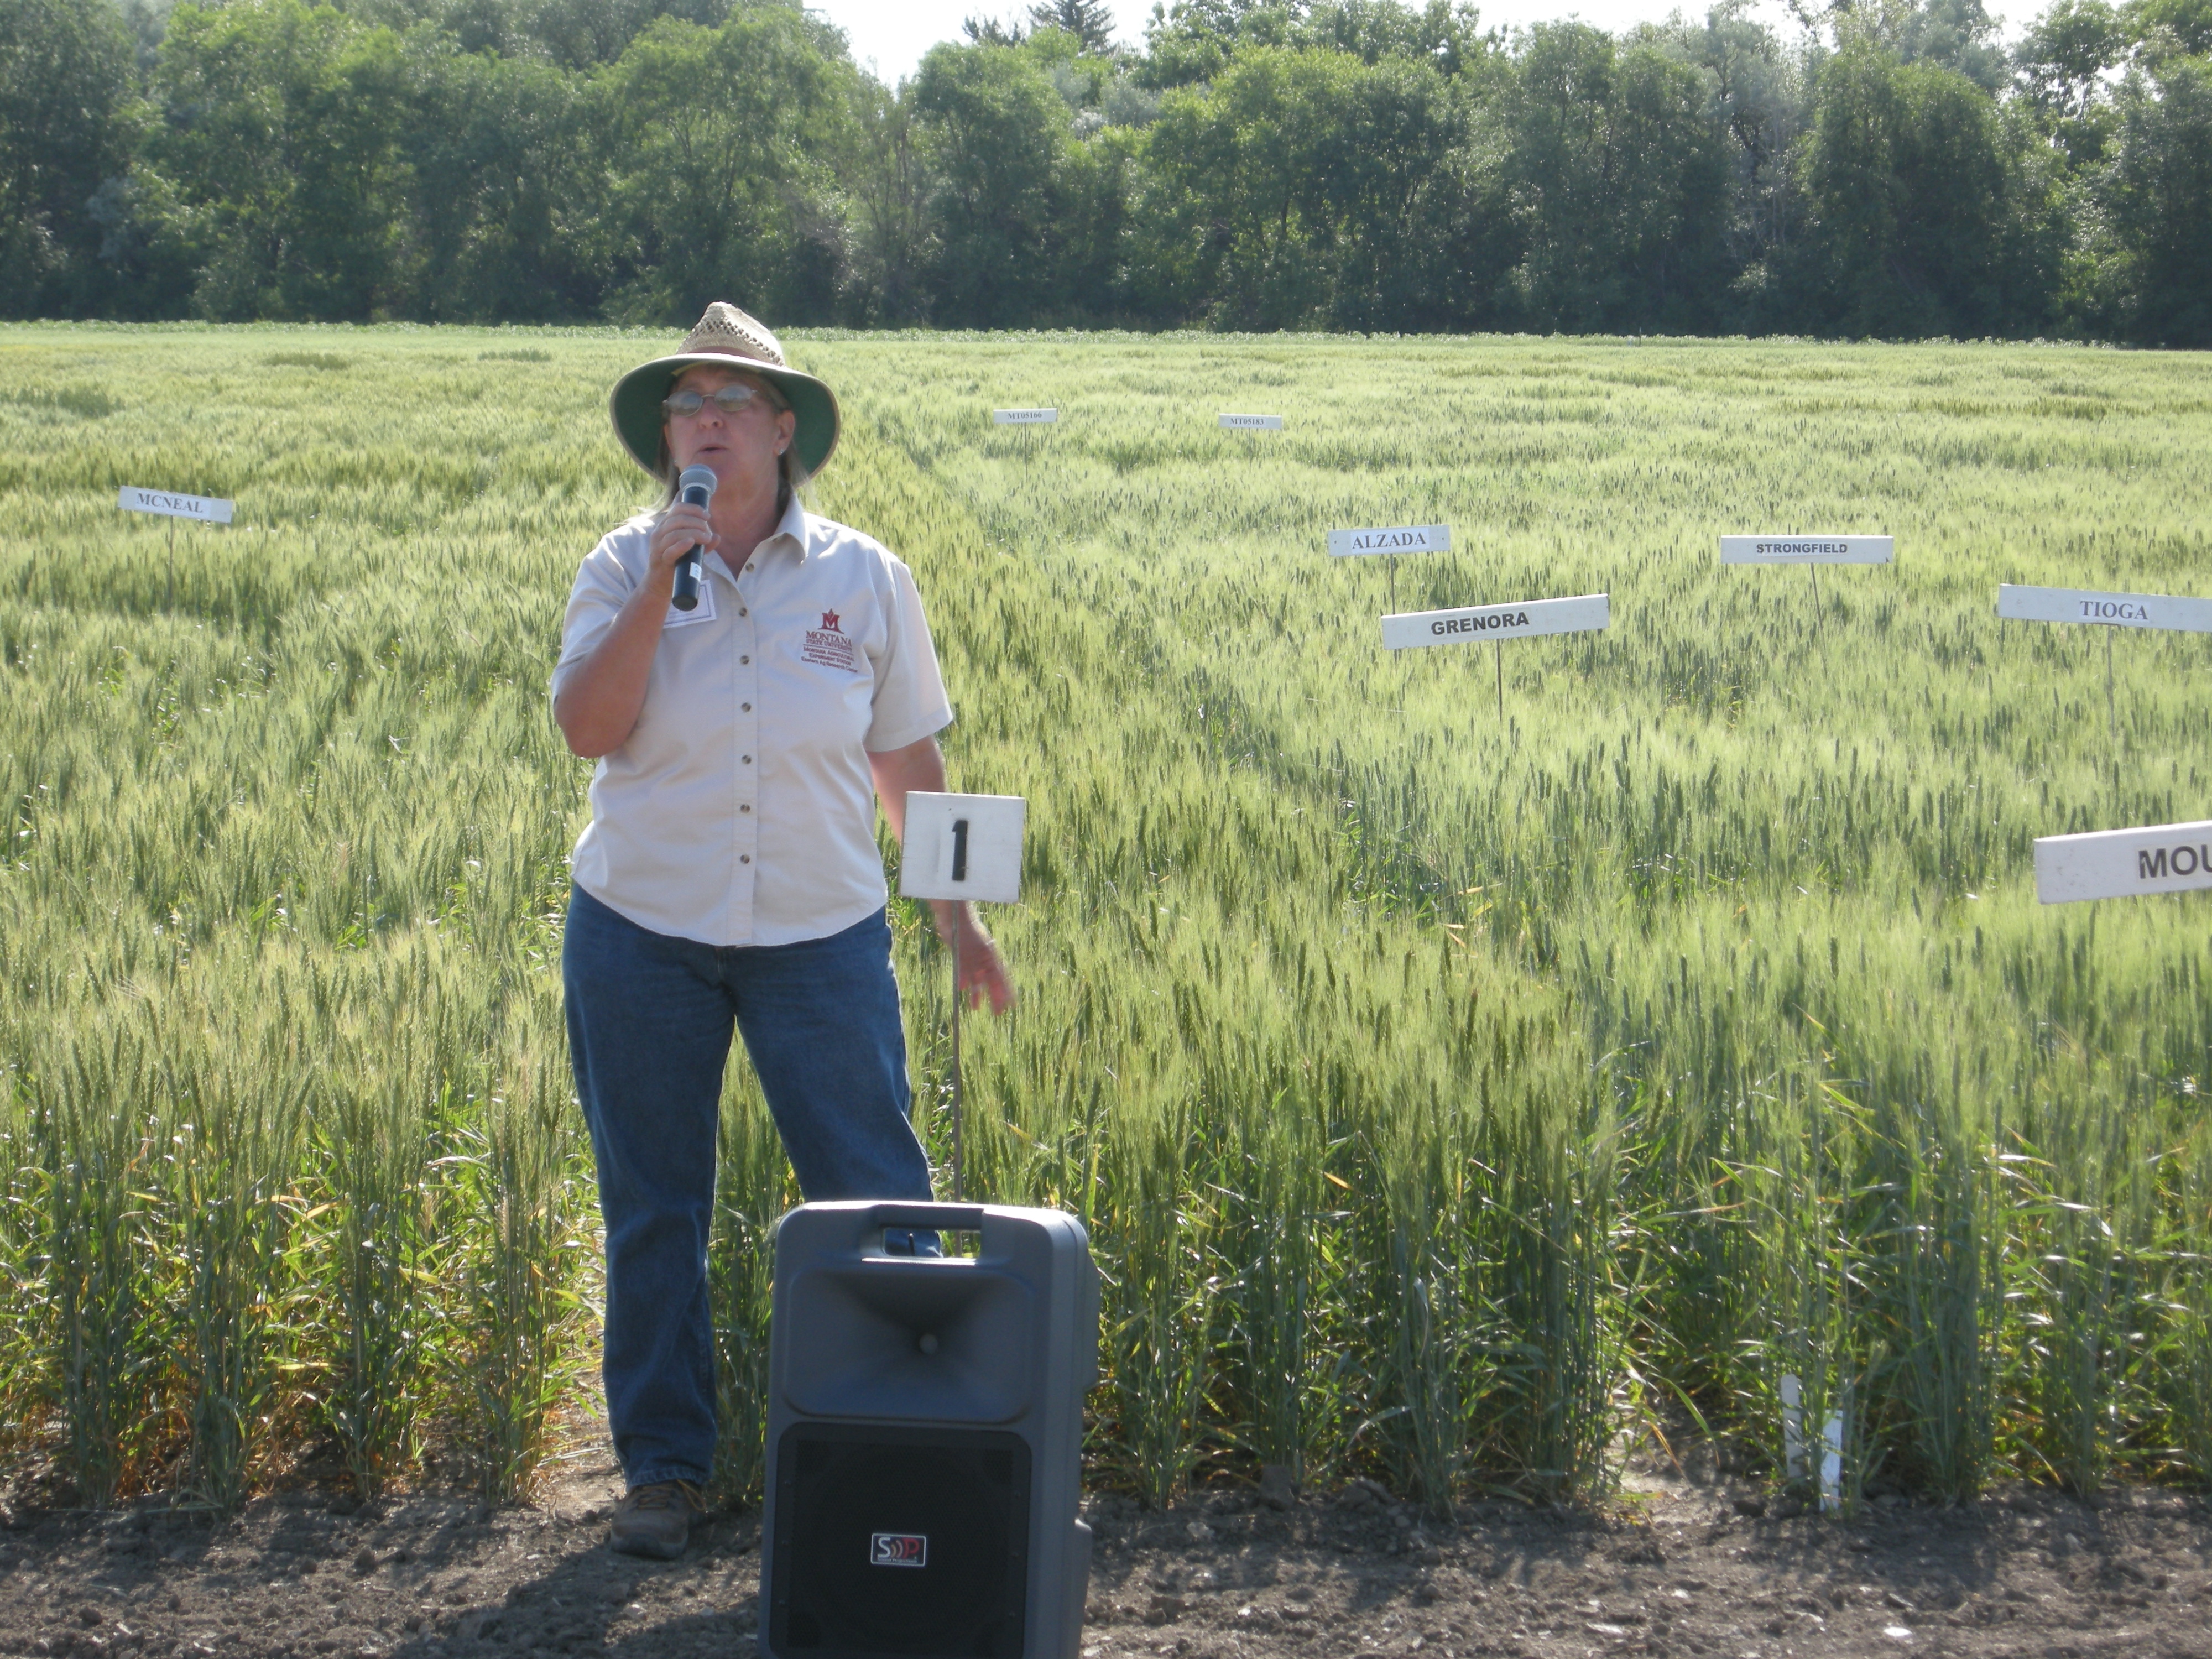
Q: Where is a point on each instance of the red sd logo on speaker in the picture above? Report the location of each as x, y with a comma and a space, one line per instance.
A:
898, 1549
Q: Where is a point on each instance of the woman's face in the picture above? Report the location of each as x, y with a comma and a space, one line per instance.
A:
740, 446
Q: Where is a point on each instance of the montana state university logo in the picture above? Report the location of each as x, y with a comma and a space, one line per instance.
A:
828, 646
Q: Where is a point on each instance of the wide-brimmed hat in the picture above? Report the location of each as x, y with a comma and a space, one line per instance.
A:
725, 336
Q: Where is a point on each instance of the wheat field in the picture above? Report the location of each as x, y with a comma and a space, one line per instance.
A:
1454, 1095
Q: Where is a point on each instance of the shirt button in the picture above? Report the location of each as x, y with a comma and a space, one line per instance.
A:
747, 759
744, 809
742, 611
744, 857
747, 707
744, 660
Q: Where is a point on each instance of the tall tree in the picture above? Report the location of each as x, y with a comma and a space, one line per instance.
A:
1090, 21
67, 127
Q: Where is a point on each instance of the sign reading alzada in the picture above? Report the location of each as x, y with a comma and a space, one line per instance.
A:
1405, 538
2166, 857
1807, 549
208, 509
2076, 605
1524, 620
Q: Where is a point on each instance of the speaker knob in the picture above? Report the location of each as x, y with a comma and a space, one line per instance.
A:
929, 1343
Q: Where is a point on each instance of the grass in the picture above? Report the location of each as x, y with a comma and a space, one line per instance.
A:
1450, 1098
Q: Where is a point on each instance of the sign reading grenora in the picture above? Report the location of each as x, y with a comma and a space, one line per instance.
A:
1407, 538
2166, 858
2073, 605
1525, 620
208, 509
1253, 423
1807, 549
1025, 417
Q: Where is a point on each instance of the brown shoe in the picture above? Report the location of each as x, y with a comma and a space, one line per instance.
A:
655, 1520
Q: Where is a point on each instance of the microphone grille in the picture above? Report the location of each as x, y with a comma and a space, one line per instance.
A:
697, 477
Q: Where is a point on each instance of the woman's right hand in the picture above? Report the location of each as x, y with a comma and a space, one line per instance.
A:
682, 528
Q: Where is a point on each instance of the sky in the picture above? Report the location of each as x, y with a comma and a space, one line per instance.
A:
895, 34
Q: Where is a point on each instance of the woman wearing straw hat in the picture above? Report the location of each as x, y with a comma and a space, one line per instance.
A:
730, 874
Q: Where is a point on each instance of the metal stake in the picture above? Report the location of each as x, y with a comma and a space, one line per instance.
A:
1498, 647
1818, 615
2111, 717
960, 1165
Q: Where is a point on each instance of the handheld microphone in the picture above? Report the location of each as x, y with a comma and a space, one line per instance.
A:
694, 487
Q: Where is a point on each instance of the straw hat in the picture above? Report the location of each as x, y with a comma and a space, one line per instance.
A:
724, 334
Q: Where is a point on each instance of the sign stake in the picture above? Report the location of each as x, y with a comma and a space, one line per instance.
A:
959, 1150
1819, 616
2112, 714
1498, 648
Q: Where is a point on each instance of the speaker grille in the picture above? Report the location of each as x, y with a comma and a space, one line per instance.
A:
909, 1542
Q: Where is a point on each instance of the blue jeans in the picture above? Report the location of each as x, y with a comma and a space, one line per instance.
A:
649, 1024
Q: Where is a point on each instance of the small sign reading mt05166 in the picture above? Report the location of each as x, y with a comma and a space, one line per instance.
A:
1025, 417
1807, 549
2077, 605
2163, 858
1528, 618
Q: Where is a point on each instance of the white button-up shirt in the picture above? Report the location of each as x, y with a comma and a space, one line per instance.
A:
741, 810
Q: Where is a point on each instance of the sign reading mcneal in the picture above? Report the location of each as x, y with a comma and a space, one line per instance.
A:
2075, 605
1807, 549
1525, 620
208, 509
1405, 538
2166, 857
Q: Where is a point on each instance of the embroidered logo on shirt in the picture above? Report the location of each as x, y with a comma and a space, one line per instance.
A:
827, 646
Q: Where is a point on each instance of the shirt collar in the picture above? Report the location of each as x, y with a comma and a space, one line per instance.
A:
793, 525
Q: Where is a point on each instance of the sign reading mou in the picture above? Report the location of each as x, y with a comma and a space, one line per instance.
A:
1807, 549
2075, 605
2166, 857
1525, 620
1025, 417
1405, 538
208, 509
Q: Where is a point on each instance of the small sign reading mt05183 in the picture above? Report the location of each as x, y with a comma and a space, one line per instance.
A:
1525, 620
2077, 605
1253, 423
1807, 549
2164, 858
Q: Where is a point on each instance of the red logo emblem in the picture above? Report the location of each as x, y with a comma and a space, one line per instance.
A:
830, 622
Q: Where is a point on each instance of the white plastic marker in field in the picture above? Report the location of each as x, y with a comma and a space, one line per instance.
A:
1403, 538
1252, 422
208, 509
1814, 550
1527, 619
1025, 417
2164, 858
2076, 605
1831, 1464
1794, 1461
173, 505
962, 847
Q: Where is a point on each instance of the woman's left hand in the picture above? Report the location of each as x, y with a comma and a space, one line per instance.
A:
982, 972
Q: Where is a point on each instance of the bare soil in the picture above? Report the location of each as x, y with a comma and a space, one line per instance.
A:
1678, 1567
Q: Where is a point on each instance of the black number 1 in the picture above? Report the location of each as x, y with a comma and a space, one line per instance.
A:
959, 849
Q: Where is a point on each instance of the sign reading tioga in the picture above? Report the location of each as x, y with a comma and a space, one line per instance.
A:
1405, 538
2166, 857
2075, 605
1523, 620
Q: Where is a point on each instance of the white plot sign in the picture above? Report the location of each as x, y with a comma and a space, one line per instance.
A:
1525, 620
1405, 538
208, 509
2073, 605
2166, 857
962, 847
1025, 417
1807, 549
1253, 423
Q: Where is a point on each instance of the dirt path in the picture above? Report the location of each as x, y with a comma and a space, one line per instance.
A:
1678, 1571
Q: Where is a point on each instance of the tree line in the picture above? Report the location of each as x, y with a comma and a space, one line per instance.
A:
1889, 169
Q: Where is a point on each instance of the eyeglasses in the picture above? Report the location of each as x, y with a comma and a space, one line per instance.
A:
730, 399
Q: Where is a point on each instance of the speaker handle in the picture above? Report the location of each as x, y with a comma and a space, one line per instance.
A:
949, 1218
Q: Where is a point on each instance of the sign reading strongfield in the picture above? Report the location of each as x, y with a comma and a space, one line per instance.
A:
1807, 549
1524, 620
208, 509
2075, 605
1405, 538
2166, 857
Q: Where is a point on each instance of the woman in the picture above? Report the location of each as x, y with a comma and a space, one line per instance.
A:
730, 873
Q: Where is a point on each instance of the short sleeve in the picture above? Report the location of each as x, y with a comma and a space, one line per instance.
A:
602, 586
909, 702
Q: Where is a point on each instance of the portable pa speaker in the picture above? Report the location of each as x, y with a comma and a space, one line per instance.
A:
925, 1435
